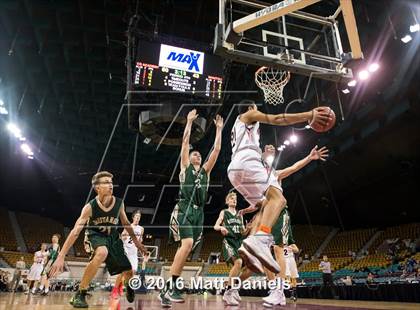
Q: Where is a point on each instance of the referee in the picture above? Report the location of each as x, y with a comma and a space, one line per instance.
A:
325, 267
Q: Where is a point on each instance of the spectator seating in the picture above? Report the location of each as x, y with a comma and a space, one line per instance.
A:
37, 229
406, 231
7, 236
221, 269
308, 238
12, 257
373, 260
346, 241
212, 242
336, 264
79, 247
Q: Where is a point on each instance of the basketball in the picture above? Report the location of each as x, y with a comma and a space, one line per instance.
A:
329, 125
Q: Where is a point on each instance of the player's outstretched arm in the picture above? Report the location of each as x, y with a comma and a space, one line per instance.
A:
185, 147
58, 265
315, 154
218, 226
317, 116
209, 164
127, 226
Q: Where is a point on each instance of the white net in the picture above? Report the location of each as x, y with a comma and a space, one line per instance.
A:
272, 82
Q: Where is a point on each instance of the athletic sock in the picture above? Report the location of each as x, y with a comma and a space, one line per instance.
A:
83, 292
265, 229
47, 290
41, 287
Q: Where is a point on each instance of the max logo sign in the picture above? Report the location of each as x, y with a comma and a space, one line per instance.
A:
181, 58
189, 59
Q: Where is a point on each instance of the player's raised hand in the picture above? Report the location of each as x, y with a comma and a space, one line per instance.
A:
57, 267
218, 121
317, 154
192, 115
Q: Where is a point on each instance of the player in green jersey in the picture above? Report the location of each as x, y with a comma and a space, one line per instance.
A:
53, 251
102, 216
187, 218
231, 225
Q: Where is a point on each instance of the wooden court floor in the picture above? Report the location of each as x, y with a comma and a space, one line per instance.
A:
101, 300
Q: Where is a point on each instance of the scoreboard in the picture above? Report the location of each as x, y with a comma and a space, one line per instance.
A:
169, 68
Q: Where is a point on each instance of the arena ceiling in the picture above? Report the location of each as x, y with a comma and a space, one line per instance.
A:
63, 80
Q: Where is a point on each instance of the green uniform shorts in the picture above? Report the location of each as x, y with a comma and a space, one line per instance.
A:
116, 261
186, 222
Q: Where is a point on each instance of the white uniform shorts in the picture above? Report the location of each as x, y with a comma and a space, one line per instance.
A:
250, 176
35, 272
133, 258
291, 267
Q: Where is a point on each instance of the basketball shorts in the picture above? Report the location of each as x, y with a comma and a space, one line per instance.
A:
251, 177
35, 272
282, 229
132, 255
186, 222
291, 267
116, 261
230, 248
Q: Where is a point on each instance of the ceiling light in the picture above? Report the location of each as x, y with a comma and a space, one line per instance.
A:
415, 28
26, 149
293, 138
352, 83
373, 67
407, 38
14, 130
363, 75
3, 110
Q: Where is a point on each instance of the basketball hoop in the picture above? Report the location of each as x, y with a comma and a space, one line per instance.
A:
272, 82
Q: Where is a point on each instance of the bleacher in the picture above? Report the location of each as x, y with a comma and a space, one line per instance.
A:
336, 264
167, 251
346, 241
7, 236
79, 247
373, 260
309, 238
212, 242
37, 229
12, 257
405, 231
218, 270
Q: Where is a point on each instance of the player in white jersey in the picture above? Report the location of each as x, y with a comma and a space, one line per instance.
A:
254, 179
282, 229
36, 269
291, 267
131, 251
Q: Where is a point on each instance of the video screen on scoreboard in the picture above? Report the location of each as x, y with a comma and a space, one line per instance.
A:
169, 68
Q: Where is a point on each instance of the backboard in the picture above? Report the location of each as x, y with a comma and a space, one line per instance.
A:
290, 35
